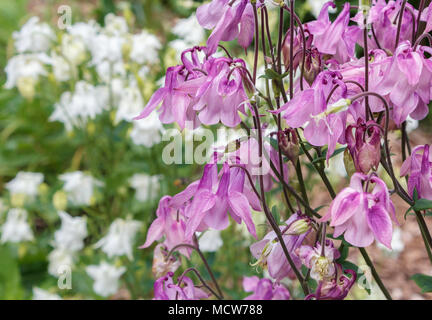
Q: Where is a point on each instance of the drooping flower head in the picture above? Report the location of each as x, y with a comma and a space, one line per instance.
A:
363, 215
419, 168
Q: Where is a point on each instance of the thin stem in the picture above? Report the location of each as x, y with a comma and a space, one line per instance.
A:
200, 278
375, 273
204, 260
401, 13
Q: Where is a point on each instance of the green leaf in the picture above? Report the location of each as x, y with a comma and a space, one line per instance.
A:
10, 278
422, 204
275, 214
423, 281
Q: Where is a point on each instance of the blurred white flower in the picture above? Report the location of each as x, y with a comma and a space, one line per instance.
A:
210, 241
73, 49
411, 124
106, 278
337, 166
146, 187
189, 30
79, 187
147, 132
397, 244
34, 36
25, 67
316, 5
61, 68
115, 25
26, 183
74, 109
72, 232
106, 48
16, 228
179, 45
130, 104
59, 259
145, 48
120, 237
86, 31
41, 294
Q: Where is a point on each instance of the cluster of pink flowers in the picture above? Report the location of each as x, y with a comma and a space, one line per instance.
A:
337, 98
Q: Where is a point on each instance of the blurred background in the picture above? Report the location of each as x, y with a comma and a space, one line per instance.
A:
80, 181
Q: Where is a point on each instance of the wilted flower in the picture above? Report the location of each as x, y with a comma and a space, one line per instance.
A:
162, 265
320, 261
16, 228
335, 289
106, 278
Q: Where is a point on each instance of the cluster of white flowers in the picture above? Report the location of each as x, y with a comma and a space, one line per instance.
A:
106, 278
68, 240
119, 58
25, 183
16, 228
189, 33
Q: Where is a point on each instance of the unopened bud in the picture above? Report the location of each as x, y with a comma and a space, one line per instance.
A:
288, 144
299, 227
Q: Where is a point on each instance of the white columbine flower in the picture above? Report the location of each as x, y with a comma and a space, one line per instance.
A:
146, 187
210, 241
115, 25
16, 228
74, 109
61, 68
33, 36
25, 69
60, 260
130, 105
72, 232
73, 49
147, 132
119, 240
79, 187
106, 278
145, 47
41, 294
26, 183
86, 31
189, 30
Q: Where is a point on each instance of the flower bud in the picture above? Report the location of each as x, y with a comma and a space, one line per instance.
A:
288, 144
364, 145
297, 49
299, 227
60, 200
313, 65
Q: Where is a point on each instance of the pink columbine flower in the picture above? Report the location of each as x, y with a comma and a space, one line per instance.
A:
166, 289
229, 20
201, 90
419, 168
407, 83
364, 145
385, 19
269, 252
216, 197
320, 261
171, 221
324, 124
360, 215
334, 38
264, 289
